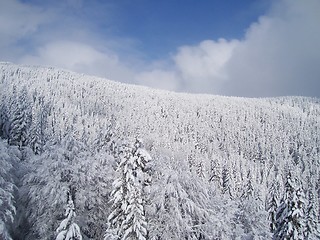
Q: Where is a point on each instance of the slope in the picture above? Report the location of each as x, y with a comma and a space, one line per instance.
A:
220, 156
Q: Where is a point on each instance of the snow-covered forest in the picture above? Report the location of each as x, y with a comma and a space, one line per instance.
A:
87, 158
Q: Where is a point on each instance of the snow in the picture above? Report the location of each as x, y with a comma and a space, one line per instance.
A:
214, 158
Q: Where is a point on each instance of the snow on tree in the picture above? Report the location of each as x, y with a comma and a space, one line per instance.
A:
7, 187
68, 230
180, 206
312, 228
127, 219
290, 213
248, 188
225, 181
272, 205
20, 120
231, 131
4, 118
36, 141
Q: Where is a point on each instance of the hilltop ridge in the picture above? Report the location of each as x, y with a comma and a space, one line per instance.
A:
215, 159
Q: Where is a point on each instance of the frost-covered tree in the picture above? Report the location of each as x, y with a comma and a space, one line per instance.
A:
248, 188
106, 140
127, 219
68, 229
283, 211
290, 213
4, 118
7, 187
180, 204
297, 221
20, 120
311, 230
36, 135
225, 181
272, 205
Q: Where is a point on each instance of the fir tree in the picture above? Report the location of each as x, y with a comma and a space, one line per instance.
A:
225, 181
272, 204
311, 215
36, 141
248, 189
21, 119
68, 230
290, 213
127, 219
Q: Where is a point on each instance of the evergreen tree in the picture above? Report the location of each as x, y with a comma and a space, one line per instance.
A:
68, 230
7, 201
290, 213
297, 221
283, 211
272, 204
36, 141
248, 188
225, 181
311, 230
127, 219
20, 120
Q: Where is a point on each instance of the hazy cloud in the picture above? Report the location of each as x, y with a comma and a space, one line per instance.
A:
203, 67
56, 36
160, 79
279, 55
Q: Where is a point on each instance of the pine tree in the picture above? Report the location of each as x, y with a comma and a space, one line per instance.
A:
225, 181
68, 230
272, 204
20, 120
248, 189
311, 215
127, 219
283, 211
297, 223
36, 141
7, 200
290, 213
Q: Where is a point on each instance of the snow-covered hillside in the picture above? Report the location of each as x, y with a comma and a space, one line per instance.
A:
220, 167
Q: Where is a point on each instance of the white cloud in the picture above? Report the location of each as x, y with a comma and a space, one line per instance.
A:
202, 66
160, 79
79, 57
279, 55
205, 60
47, 36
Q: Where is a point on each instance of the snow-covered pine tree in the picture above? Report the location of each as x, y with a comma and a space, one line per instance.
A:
68, 230
7, 201
272, 205
290, 213
20, 120
104, 140
36, 135
4, 118
225, 181
297, 219
311, 231
127, 219
248, 188
283, 211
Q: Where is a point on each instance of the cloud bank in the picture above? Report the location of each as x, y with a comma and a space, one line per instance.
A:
278, 55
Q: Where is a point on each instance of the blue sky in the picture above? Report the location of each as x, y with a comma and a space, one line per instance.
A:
245, 48
160, 27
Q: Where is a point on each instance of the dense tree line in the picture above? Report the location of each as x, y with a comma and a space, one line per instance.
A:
75, 167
